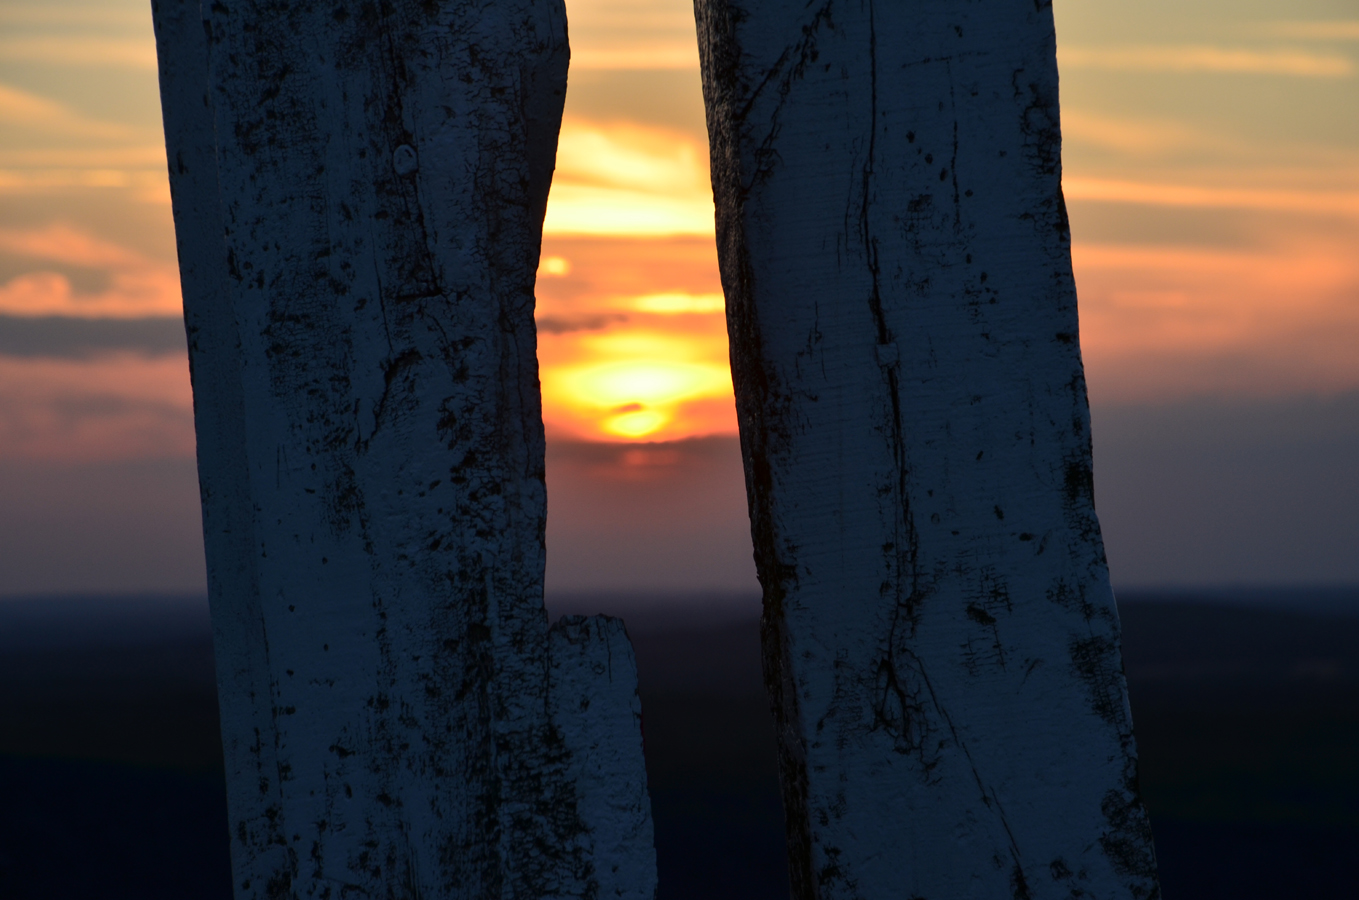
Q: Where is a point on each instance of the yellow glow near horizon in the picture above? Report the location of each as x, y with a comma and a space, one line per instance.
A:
634, 398
634, 384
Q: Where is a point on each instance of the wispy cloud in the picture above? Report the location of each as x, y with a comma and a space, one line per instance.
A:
1161, 148
132, 294
140, 186
137, 287
659, 55
632, 34
626, 155
627, 179
1140, 137
1204, 58
42, 115
1158, 323
68, 338
81, 50
589, 209
110, 407
135, 157
1335, 30
1318, 202
103, 16
635, 343
64, 244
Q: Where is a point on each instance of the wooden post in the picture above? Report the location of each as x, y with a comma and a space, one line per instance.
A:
358, 194
941, 641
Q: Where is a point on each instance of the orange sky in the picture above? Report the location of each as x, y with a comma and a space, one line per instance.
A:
1211, 152
1214, 251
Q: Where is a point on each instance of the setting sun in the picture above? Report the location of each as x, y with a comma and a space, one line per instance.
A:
632, 342
635, 384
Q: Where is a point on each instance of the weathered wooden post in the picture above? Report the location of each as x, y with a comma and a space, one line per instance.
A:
358, 194
941, 642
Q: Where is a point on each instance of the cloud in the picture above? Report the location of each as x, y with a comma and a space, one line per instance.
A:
568, 324
63, 337
150, 187
586, 209
1140, 137
632, 342
82, 50
39, 114
143, 157
627, 155
138, 287
1223, 153
627, 179
132, 294
102, 16
64, 244
661, 55
110, 407
48, 146
1335, 30
1204, 58
1318, 202
632, 34
635, 380
605, 268
1159, 323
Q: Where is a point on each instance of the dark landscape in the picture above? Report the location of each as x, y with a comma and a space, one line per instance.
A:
1246, 704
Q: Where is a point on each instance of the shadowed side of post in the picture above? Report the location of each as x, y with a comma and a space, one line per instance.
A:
941, 642
358, 194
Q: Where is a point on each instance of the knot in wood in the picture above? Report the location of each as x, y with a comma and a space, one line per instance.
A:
404, 160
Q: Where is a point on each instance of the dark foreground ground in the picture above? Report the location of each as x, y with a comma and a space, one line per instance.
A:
1247, 716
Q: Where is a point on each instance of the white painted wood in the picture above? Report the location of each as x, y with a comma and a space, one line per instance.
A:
358, 195
595, 703
941, 640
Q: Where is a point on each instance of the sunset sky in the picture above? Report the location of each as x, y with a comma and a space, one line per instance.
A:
1212, 173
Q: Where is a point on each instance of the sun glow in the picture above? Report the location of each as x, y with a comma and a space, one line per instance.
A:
632, 342
631, 384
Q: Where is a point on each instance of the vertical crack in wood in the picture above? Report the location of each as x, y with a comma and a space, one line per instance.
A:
940, 638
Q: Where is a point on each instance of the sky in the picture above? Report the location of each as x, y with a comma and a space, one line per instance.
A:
1211, 168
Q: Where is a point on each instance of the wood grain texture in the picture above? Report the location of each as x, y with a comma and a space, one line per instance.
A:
941, 642
358, 193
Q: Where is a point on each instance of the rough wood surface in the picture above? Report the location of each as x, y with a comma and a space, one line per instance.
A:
358, 194
941, 641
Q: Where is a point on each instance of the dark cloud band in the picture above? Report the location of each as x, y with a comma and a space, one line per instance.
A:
64, 337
